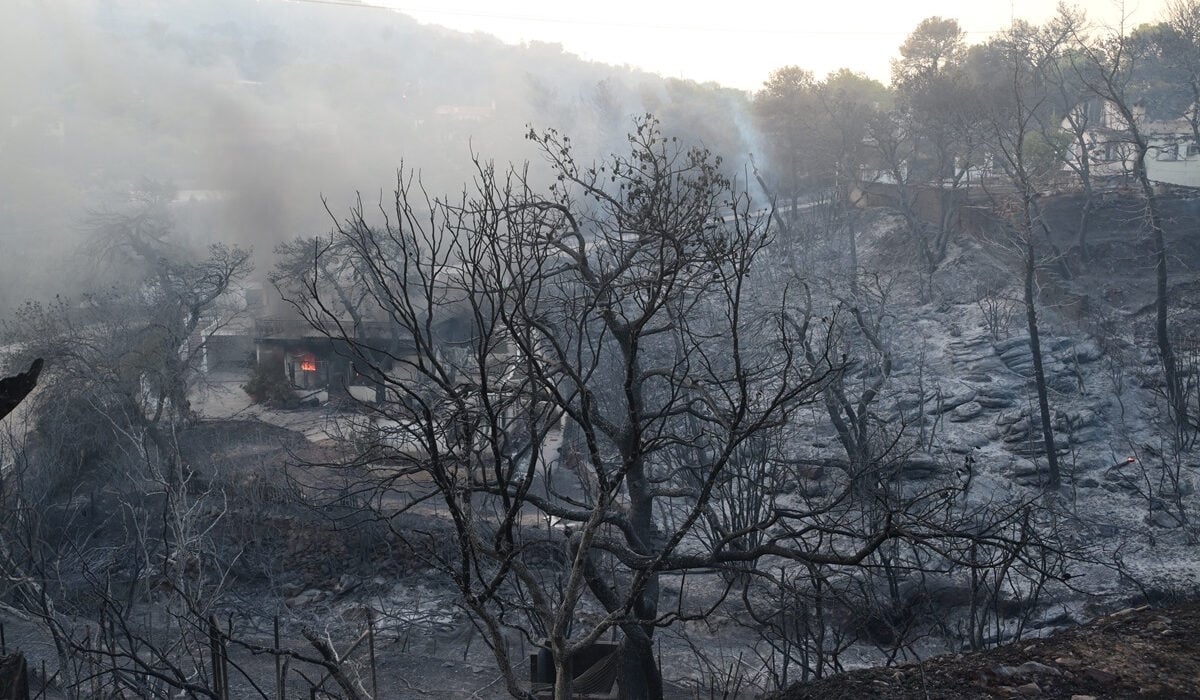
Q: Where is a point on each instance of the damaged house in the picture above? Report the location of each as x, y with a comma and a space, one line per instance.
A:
319, 363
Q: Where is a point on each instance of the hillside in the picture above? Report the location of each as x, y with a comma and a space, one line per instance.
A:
381, 360
1142, 652
954, 417
961, 386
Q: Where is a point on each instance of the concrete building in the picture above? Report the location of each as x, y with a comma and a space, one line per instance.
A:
1173, 157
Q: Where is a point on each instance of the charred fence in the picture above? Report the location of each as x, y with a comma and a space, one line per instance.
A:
109, 663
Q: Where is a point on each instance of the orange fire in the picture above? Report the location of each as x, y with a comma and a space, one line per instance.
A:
308, 364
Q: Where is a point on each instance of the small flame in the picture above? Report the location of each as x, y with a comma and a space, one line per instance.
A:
308, 365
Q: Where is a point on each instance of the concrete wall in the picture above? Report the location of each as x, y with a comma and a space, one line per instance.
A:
1169, 163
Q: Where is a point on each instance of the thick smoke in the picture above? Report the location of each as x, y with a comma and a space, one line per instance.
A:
254, 112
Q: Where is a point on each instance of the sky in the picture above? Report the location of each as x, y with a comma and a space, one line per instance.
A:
738, 44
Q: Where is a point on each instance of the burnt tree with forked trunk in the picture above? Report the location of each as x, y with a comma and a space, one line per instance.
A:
615, 306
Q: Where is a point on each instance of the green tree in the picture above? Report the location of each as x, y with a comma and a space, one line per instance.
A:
940, 106
788, 110
1166, 75
849, 101
936, 46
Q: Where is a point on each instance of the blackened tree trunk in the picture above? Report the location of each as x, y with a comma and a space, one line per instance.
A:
14, 677
1013, 116
1109, 75
1176, 398
1035, 346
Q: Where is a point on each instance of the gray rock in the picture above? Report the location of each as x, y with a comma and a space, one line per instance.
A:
998, 391
989, 365
967, 358
1118, 479
813, 489
1007, 344
911, 400
1087, 351
1016, 436
1082, 418
951, 399
976, 440
1010, 417
1063, 383
1037, 448
918, 466
1026, 467
308, 597
976, 341
1033, 668
869, 372
922, 460
962, 395
978, 378
1056, 370
968, 443
1017, 354
1184, 487
1164, 519
994, 400
1031, 473
1086, 435
965, 412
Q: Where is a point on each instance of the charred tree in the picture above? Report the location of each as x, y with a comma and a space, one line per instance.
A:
14, 389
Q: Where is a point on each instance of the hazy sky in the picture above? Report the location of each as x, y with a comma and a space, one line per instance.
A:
739, 43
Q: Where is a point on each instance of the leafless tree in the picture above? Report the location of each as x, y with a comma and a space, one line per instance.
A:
593, 386
1067, 127
619, 304
114, 400
1106, 69
1013, 122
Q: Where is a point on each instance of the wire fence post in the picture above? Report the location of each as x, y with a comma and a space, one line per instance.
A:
371, 648
278, 665
217, 652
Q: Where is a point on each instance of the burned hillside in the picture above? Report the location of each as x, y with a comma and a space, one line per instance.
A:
608, 384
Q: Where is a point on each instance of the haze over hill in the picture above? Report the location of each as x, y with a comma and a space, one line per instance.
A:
258, 110
604, 414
